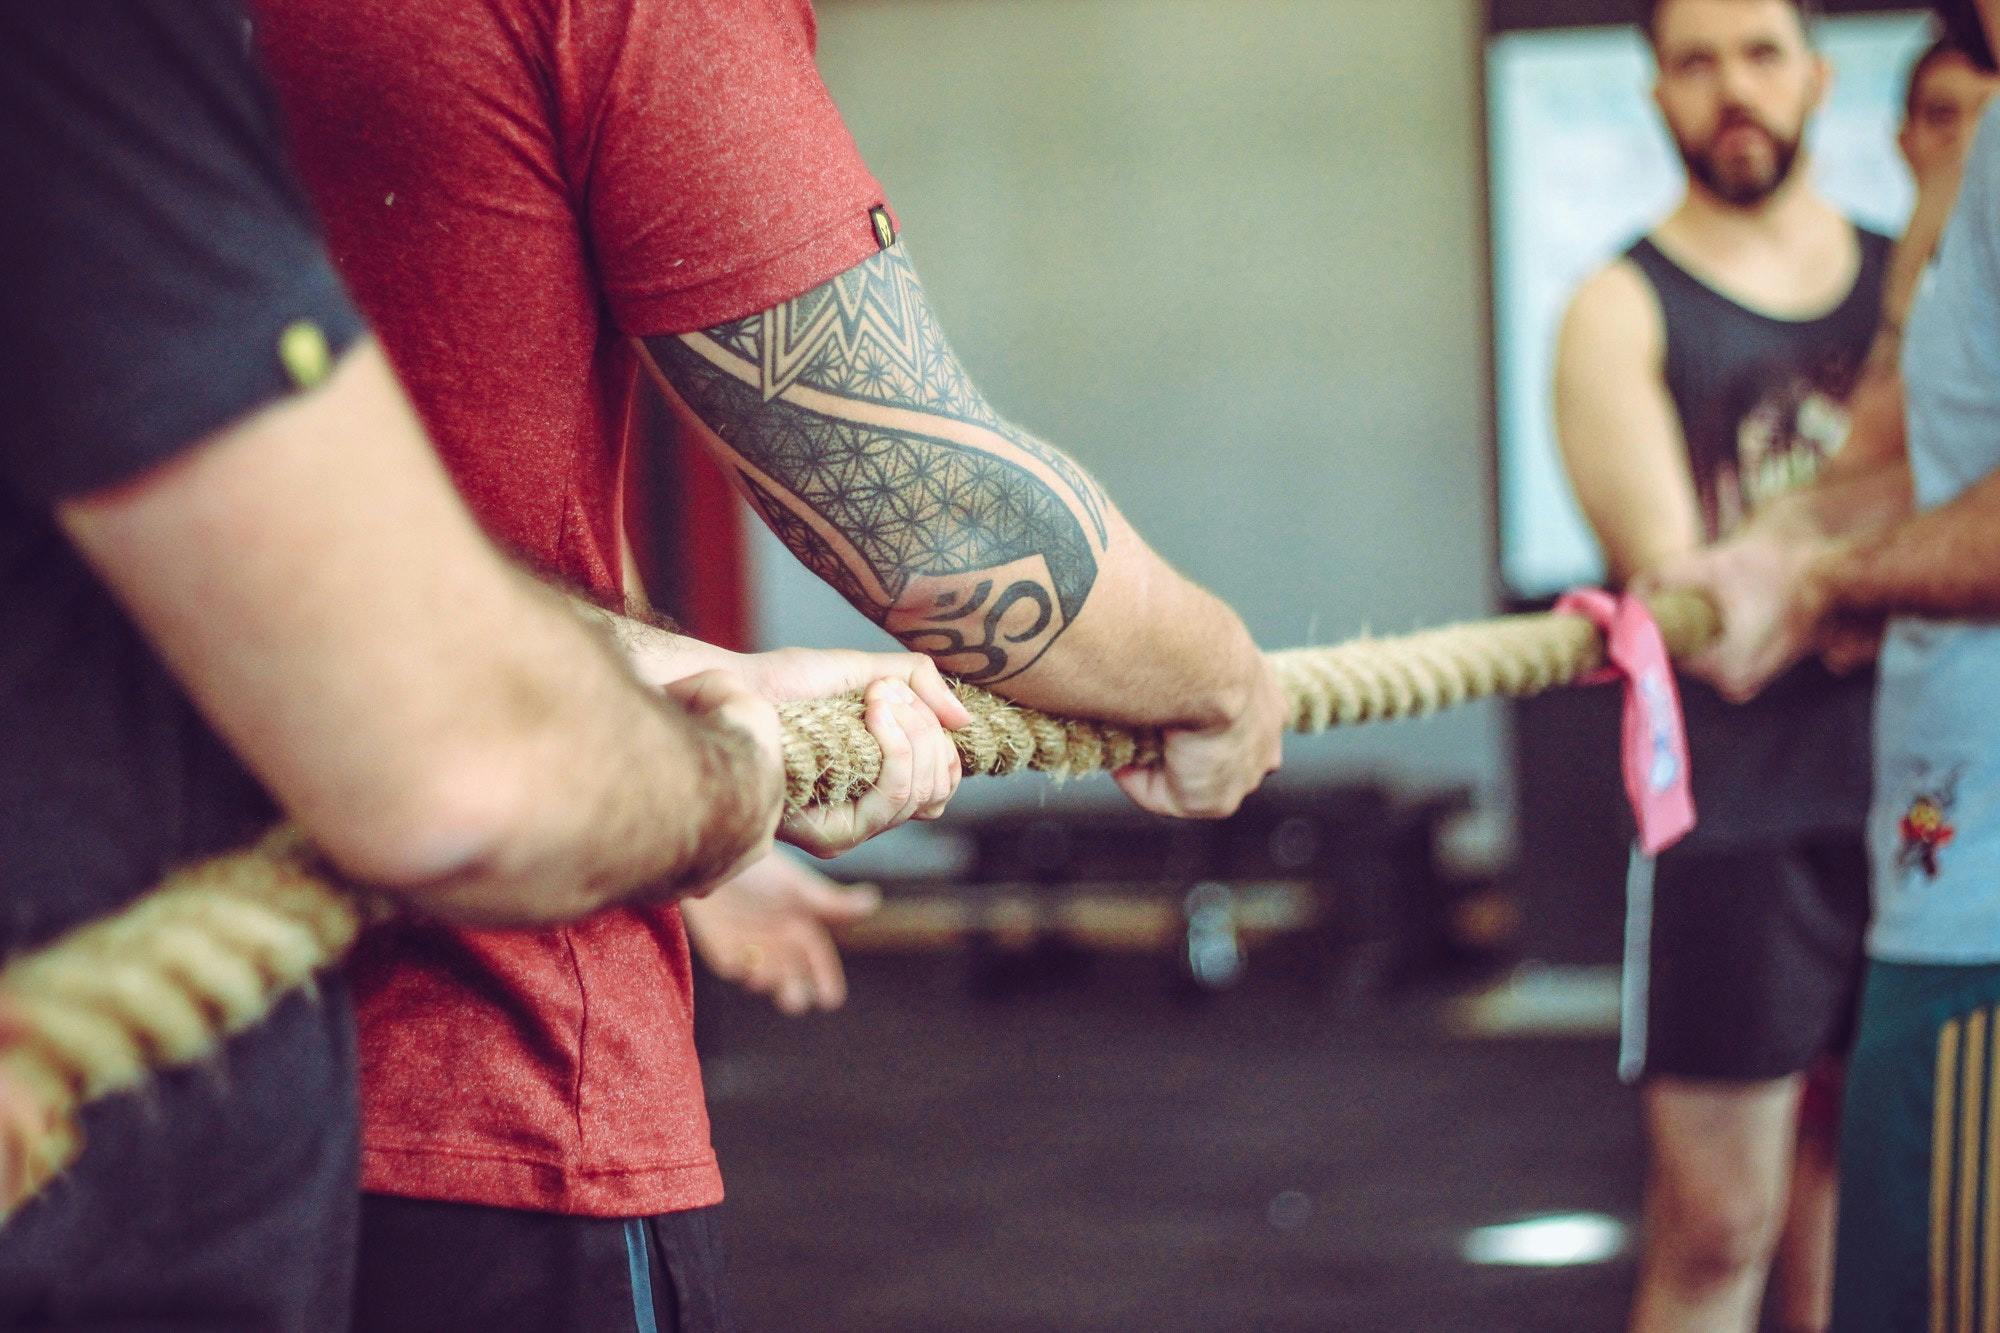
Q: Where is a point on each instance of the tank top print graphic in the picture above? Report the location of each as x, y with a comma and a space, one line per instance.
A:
1762, 401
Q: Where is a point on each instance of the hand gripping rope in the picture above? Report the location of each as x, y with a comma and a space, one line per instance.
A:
214, 948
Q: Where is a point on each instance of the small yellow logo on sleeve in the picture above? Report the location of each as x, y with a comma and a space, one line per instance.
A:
303, 352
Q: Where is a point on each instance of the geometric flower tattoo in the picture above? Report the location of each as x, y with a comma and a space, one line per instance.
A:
858, 437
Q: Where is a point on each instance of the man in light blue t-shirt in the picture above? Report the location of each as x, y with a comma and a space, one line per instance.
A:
1903, 534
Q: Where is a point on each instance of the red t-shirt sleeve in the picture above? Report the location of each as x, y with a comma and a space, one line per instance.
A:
709, 164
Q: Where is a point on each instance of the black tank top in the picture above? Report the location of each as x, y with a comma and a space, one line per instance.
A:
1762, 403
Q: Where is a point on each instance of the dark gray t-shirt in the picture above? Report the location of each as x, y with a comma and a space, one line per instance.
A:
153, 249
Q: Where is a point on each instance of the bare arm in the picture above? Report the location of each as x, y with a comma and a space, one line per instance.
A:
851, 427
1619, 433
1885, 559
1942, 563
439, 723
1854, 555
906, 707
1937, 195
1867, 484
1775, 581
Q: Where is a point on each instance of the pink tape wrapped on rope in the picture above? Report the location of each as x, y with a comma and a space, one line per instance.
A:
1655, 756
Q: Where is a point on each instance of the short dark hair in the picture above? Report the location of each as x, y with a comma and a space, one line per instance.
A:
1962, 24
1649, 16
1944, 48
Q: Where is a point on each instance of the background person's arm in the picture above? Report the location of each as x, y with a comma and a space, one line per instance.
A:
770, 930
1865, 486
1937, 195
1619, 432
1785, 593
849, 424
1795, 579
439, 723
1941, 563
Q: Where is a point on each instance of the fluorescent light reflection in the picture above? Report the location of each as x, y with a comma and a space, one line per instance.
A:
1553, 1240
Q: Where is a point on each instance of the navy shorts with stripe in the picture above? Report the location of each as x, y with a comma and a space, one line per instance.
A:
1919, 1241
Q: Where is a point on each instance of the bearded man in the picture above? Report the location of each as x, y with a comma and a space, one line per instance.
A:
1702, 373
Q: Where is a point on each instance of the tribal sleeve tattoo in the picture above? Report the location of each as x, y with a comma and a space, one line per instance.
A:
855, 432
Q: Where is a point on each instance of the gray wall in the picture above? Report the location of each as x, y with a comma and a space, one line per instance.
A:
1229, 254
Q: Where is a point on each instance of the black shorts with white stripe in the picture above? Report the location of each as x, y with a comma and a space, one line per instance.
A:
1743, 965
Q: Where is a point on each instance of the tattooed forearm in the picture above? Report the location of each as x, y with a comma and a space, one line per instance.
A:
859, 439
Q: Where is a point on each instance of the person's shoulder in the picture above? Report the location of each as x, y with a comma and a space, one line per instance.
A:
1617, 296
1615, 314
1649, 256
1982, 162
1873, 240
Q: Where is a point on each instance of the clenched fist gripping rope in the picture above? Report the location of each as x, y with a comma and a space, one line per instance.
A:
213, 949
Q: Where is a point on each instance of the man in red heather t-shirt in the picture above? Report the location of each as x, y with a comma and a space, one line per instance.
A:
533, 200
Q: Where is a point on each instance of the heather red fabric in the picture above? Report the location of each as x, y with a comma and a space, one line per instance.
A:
510, 187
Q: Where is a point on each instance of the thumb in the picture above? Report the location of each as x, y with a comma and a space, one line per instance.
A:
1677, 572
702, 692
1148, 788
929, 685
839, 902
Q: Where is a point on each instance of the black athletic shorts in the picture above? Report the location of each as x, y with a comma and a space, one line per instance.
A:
429, 1267
1745, 965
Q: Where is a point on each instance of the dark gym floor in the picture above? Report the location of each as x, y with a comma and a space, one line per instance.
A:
1103, 1154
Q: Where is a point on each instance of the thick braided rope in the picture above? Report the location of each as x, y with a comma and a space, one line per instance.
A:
207, 954
212, 950
830, 757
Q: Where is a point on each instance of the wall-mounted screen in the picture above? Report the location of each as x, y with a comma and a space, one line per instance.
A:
1580, 168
